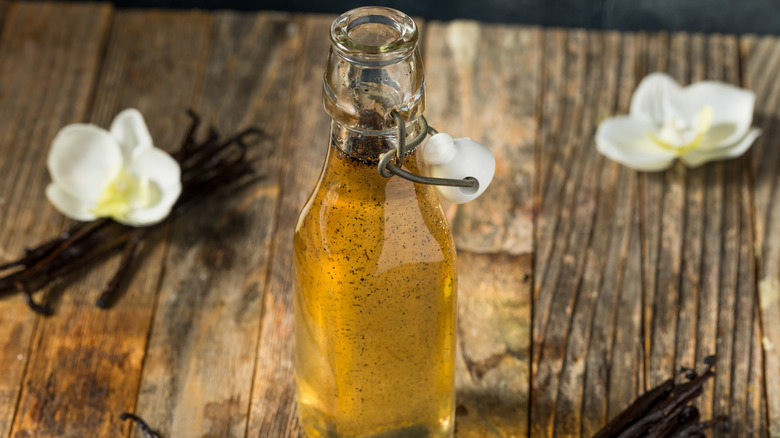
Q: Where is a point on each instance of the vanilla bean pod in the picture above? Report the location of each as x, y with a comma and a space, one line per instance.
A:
31, 254
189, 138
106, 298
673, 421
696, 429
40, 309
145, 429
637, 409
664, 411
207, 166
38, 270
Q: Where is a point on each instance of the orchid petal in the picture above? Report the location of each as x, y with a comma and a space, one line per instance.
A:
155, 164
129, 129
163, 173
625, 140
732, 111
652, 97
68, 204
697, 157
82, 159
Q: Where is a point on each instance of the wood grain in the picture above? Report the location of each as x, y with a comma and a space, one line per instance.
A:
482, 83
760, 57
600, 202
702, 287
86, 362
582, 198
706, 336
736, 313
613, 363
669, 188
691, 244
50, 59
691, 232
563, 70
202, 350
493, 364
654, 58
304, 145
3, 8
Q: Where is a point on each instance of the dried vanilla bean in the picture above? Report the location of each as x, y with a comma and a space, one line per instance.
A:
145, 429
207, 166
664, 411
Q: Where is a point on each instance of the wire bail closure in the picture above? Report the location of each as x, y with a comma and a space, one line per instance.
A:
391, 162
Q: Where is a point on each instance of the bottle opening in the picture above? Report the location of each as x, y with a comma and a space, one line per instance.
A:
374, 68
374, 31
376, 35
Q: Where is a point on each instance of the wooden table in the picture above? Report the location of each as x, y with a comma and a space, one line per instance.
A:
583, 283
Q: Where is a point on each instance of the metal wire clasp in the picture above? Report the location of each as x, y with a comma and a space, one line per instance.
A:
391, 161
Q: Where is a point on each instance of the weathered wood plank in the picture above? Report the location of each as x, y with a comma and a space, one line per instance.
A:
692, 245
626, 372
665, 306
615, 367
736, 307
728, 287
49, 59
756, 412
742, 408
201, 354
563, 69
605, 58
86, 362
761, 56
493, 69
699, 283
304, 145
612, 365
482, 83
696, 257
650, 189
578, 203
494, 345
711, 268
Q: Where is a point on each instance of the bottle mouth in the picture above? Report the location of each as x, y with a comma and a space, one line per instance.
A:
374, 35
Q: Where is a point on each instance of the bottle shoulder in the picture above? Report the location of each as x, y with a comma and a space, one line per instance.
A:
397, 221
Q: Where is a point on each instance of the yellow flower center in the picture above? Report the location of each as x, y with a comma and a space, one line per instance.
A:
124, 194
675, 136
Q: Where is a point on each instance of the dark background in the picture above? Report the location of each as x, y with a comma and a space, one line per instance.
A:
725, 16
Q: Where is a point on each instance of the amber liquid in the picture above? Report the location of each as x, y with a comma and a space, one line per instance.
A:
375, 306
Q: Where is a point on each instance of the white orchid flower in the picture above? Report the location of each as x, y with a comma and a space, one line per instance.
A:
706, 121
118, 173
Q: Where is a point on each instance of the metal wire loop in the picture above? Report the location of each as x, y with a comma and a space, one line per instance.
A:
388, 168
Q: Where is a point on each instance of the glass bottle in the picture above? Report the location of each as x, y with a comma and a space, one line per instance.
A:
374, 259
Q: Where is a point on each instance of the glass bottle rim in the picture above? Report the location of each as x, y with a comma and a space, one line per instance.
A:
392, 35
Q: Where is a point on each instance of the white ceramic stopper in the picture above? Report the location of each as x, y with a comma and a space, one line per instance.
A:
459, 158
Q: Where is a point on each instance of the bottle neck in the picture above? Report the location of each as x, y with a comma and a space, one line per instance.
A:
367, 146
374, 69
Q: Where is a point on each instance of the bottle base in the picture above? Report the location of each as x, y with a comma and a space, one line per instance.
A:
405, 432
320, 428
